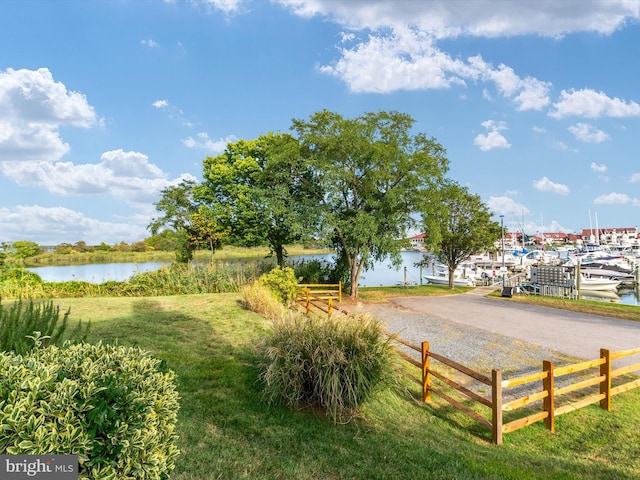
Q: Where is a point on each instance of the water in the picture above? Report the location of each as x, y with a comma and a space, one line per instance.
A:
382, 274
95, 272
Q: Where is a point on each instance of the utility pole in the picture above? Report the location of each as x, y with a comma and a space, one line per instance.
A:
503, 270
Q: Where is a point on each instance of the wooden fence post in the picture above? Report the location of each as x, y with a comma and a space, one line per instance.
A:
340, 291
605, 385
308, 301
496, 406
426, 375
329, 306
548, 384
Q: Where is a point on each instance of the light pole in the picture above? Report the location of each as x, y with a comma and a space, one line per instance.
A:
503, 269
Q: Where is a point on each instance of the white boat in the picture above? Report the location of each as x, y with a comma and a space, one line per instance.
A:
604, 270
444, 280
463, 276
595, 283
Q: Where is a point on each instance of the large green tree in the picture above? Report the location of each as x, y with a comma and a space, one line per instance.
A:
457, 225
374, 174
263, 191
195, 224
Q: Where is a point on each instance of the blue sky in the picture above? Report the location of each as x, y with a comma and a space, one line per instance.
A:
104, 103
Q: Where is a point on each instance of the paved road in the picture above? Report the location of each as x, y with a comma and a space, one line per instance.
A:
575, 334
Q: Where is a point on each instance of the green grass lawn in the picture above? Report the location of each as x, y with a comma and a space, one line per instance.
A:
227, 431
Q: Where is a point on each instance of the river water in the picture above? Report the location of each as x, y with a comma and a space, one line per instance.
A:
383, 273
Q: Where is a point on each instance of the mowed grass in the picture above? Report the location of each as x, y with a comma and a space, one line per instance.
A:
228, 432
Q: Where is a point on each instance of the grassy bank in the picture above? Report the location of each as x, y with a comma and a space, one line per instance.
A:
201, 256
227, 432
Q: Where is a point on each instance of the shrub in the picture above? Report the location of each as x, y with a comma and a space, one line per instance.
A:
314, 271
282, 282
19, 276
110, 405
334, 364
19, 321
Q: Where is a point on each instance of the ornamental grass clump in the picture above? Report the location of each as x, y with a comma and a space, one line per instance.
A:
333, 364
260, 299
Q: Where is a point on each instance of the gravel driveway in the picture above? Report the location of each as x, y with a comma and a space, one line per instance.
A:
484, 333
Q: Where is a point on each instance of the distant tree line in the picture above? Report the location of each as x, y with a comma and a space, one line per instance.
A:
21, 249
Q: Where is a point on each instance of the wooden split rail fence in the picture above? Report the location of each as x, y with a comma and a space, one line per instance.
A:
543, 400
549, 396
317, 295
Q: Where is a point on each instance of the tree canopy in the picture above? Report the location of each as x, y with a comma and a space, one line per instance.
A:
192, 221
457, 225
263, 190
374, 175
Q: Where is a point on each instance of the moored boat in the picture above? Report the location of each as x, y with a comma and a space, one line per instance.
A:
444, 280
596, 283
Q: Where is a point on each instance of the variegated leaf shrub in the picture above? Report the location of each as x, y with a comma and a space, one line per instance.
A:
113, 406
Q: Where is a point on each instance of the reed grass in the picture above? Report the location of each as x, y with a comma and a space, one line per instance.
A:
260, 299
177, 279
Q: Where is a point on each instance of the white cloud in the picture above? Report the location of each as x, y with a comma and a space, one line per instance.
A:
591, 104
403, 60
635, 178
503, 205
493, 139
528, 93
588, 133
612, 199
149, 42
203, 142
125, 176
55, 225
598, 168
173, 112
33, 106
397, 46
226, 6
489, 18
160, 104
407, 59
546, 185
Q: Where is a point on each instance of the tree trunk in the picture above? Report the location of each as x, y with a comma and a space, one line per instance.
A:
279, 251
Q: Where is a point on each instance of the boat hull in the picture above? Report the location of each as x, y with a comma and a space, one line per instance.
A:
599, 284
457, 282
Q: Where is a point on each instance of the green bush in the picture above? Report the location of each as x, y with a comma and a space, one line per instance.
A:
334, 364
19, 276
110, 405
282, 282
19, 321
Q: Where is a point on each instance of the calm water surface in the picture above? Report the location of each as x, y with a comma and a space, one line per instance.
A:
382, 274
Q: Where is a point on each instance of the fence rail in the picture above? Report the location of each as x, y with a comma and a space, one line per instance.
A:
316, 295
548, 397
